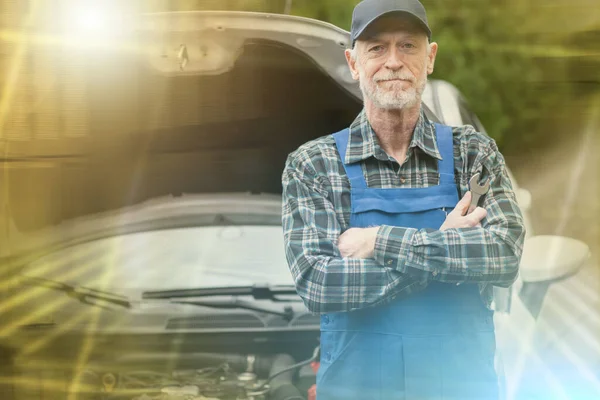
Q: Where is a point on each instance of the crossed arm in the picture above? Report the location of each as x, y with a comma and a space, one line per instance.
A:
340, 271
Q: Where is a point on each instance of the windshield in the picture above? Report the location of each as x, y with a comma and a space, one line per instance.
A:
206, 256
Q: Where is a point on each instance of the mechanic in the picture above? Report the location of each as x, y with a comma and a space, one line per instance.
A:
380, 235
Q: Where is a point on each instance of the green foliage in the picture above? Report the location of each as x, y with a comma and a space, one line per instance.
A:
337, 12
483, 53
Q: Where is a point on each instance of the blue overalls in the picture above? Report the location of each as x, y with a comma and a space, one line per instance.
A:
436, 344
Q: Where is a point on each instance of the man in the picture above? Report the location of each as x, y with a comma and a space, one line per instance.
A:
378, 241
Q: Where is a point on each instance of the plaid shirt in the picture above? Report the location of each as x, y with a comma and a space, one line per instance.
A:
316, 210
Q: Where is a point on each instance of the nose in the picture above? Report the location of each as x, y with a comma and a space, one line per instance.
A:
394, 59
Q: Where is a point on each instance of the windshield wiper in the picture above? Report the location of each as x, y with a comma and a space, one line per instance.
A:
83, 294
287, 313
258, 292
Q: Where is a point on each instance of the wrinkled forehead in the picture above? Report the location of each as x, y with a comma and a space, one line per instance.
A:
388, 26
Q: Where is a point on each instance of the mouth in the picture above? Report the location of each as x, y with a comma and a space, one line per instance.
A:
394, 80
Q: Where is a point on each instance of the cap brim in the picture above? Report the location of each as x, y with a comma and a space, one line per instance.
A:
404, 12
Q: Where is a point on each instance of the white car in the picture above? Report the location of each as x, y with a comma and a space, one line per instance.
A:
168, 216
527, 372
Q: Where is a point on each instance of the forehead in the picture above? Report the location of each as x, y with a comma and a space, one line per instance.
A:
397, 24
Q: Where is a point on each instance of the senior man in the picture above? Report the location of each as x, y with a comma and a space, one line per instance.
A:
380, 236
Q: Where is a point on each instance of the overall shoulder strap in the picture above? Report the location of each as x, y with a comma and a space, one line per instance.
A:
354, 171
444, 140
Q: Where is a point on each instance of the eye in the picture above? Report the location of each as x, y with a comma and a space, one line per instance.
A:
409, 46
375, 49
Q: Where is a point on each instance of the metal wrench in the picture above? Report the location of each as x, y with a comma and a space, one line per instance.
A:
477, 190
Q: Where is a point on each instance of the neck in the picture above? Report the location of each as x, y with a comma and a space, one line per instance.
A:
394, 128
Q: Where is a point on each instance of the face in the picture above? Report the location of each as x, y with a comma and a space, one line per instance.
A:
391, 61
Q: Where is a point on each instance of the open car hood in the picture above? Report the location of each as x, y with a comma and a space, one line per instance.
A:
209, 102
211, 42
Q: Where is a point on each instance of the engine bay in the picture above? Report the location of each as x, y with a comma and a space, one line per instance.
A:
212, 376
220, 382
235, 377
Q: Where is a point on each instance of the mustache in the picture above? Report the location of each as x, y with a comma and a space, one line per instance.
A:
390, 76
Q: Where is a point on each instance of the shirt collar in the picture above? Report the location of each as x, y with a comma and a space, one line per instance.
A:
363, 142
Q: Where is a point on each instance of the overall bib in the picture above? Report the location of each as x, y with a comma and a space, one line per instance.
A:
438, 343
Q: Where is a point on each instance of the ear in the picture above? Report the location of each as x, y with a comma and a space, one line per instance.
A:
352, 65
431, 57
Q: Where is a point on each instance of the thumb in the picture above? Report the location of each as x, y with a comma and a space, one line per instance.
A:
463, 205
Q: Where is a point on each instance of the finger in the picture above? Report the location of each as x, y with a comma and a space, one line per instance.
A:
481, 210
463, 205
343, 248
345, 236
477, 215
345, 242
471, 208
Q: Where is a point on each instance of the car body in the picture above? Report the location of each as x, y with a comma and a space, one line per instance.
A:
180, 190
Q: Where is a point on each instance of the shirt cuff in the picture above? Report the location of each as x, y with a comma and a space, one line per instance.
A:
393, 246
403, 249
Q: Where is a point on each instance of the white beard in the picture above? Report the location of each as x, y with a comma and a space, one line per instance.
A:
393, 99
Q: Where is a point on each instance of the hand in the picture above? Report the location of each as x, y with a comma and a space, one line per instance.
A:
458, 219
358, 242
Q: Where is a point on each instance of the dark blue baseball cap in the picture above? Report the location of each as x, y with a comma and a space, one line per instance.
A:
367, 11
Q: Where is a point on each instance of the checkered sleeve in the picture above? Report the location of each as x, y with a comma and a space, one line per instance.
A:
487, 254
326, 281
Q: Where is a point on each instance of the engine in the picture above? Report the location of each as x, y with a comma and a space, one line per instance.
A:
234, 378
219, 382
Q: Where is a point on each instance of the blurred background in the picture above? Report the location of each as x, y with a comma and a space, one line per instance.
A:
529, 69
